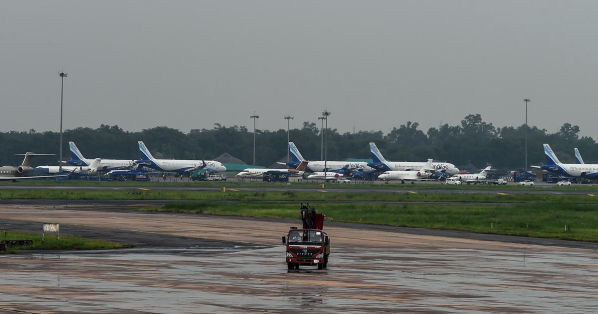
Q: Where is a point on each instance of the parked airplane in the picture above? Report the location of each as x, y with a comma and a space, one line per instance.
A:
176, 165
260, 172
24, 171
344, 167
105, 164
472, 177
91, 169
381, 164
424, 173
553, 164
578, 156
319, 175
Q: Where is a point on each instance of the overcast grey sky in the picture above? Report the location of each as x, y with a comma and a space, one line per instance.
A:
373, 64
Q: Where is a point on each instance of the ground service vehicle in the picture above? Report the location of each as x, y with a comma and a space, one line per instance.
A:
526, 183
563, 183
310, 245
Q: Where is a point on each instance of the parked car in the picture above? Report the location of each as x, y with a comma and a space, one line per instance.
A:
526, 183
563, 183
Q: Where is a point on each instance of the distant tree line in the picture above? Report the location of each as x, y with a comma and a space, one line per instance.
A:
471, 145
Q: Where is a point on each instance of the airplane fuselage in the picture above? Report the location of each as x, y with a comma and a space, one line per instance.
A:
575, 170
111, 164
417, 165
259, 172
404, 175
12, 171
335, 165
325, 175
177, 165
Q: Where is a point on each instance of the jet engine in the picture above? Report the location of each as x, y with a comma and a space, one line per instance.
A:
21, 170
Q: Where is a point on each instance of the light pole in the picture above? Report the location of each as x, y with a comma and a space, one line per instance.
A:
325, 114
62, 76
254, 117
288, 118
322, 136
526, 100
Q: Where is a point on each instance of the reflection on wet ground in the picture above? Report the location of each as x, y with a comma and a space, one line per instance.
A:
256, 279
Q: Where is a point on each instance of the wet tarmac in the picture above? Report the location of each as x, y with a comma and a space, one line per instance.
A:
241, 269
255, 279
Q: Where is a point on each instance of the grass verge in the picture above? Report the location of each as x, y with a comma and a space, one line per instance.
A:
52, 242
561, 220
302, 184
285, 196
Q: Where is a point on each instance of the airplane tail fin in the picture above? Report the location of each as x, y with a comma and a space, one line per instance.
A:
551, 158
489, 168
379, 162
578, 156
76, 156
27, 159
145, 153
296, 157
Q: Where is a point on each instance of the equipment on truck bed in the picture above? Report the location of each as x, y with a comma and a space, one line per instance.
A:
310, 245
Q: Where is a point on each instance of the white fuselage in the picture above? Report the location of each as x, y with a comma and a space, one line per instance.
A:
404, 175
326, 175
417, 165
470, 177
259, 172
69, 169
334, 165
176, 165
579, 170
111, 164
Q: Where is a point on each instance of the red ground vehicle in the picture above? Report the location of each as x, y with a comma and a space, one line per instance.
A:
307, 246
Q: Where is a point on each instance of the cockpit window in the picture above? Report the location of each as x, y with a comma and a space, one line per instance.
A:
305, 237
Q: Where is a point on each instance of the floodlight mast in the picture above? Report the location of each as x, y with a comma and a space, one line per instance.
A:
325, 115
254, 117
288, 118
62, 76
526, 100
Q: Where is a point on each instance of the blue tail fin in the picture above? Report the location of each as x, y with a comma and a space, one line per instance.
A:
145, 153
551, 158
76, 156
378, 161
296, 157
578, 156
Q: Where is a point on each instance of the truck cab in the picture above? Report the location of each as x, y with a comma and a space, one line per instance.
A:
306, 247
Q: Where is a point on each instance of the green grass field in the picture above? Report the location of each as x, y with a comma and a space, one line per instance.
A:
51, 242
284, 196
572, 217
303, 184
536, 219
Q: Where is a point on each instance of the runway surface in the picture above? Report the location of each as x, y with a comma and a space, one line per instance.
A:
223, 264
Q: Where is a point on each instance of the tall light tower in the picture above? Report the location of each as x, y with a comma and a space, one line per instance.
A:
62, 76
322, 136
325, 114
254, 117
526, 100
288, 118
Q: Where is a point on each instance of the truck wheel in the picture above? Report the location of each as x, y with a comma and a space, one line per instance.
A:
326, 262
297, 266
320, 266
290, 266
